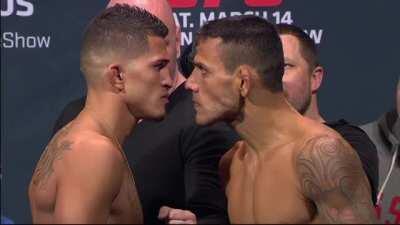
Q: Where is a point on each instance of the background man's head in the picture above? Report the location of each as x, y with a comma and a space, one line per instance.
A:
228, 54
162, 10
124, 52
303, 75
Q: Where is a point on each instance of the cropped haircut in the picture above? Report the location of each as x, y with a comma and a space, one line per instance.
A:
308, 48
121, 30
249, 40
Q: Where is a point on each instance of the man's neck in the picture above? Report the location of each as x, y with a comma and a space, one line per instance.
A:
313, 111
268, 124
111, 115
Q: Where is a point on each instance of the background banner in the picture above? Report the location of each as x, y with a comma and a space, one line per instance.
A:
358, 41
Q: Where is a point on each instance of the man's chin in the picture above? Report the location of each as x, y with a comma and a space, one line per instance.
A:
205, 121
155, 116
160, 116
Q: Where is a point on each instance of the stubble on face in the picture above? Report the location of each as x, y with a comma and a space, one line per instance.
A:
217, 99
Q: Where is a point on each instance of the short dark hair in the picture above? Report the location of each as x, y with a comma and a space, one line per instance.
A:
248, 40
121, 29
308, 48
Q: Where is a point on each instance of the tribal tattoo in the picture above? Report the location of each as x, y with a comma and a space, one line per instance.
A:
331, 177
54, 151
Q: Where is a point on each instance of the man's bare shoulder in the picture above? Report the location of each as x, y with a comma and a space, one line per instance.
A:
55, 151
326, 149
327, 138
318, 136
229, 154
226, 161
330, 175
72, 149
89, 148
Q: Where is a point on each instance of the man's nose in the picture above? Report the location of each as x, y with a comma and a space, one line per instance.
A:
191, 85
166, 79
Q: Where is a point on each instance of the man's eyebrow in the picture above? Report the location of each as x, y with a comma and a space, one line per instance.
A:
200, 65
161, 61
164, 60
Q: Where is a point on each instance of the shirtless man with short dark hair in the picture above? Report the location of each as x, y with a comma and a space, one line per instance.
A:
288, 168
83, 176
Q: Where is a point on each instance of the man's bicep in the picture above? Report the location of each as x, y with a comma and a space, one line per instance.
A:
75, 205
331, 177
367, 152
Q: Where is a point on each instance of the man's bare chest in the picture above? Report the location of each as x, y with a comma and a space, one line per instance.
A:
263, 190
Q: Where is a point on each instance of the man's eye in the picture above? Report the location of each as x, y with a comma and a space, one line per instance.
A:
203, 72
288, 65
160, 66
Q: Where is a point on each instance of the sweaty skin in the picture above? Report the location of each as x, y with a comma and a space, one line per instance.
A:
65, 185
314, 177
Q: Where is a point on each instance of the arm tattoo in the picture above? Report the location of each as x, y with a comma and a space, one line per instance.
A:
331, 176
54, 151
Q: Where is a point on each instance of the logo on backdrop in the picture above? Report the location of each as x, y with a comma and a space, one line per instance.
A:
19, 39
21, 8
191, 20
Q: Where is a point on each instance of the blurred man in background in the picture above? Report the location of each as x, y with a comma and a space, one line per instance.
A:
301, 81
385, 133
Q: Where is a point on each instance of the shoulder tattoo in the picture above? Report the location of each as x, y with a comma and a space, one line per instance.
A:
53, 152
331, 176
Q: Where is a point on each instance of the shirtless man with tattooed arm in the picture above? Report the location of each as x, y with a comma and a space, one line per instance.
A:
83, 176
288, 168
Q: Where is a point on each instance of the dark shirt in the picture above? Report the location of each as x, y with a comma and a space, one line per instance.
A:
365, 149
174, 161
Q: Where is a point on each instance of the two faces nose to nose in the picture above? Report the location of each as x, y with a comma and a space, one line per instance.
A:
167, 80
190, 84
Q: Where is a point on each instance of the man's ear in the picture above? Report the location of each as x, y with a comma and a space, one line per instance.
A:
178, 41
316, 78
116, 78
244, 74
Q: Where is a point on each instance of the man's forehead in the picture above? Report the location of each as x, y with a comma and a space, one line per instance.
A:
290, 40
157, 47
157, 43
208, 52
291, 46
208, 46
